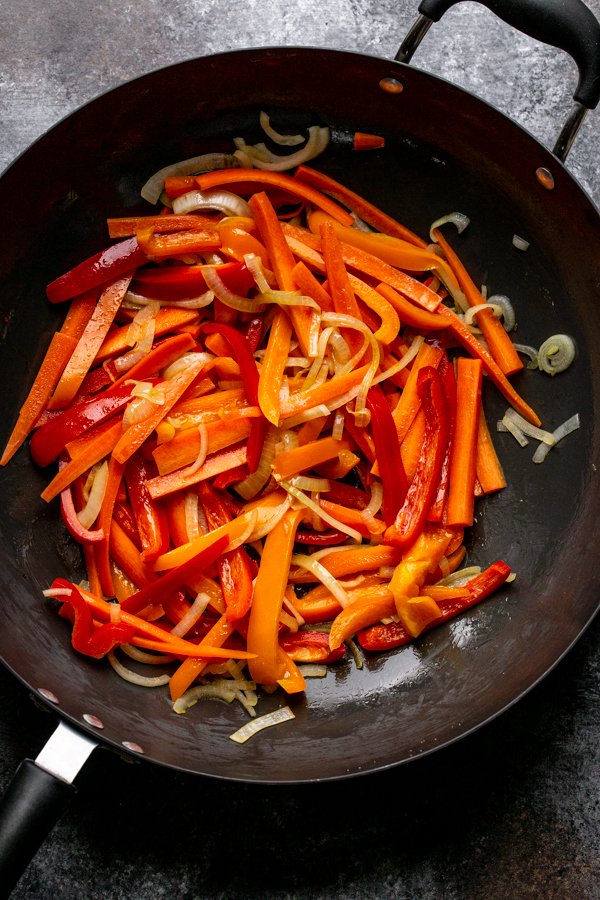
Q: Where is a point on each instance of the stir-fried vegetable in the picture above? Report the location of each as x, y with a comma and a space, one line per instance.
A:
263, 426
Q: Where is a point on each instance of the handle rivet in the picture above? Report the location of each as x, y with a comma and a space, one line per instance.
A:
545, 178
93, 720
391, 85
48, 695
130, 745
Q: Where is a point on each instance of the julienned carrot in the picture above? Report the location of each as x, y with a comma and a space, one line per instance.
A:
364, 141
273, 365
127, 226
489, 469
85, 452
303, 458
117, 340
127, 557
409, 403
322, 393
492, 369
353, 518
163, 485
79, 314
500, 345
340, 288
306, 282
275, 179
365, 210
183, 450
56, 358
282, 263
459, 509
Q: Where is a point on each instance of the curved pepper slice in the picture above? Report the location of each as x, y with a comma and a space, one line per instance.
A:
85, 638
98, 269
184, 282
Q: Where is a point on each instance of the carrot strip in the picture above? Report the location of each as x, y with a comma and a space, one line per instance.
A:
409, 403
500, 345
365, 141
365, 210
85, 452
57, 356
163, 485
183, 449
459, 509
306, 282
128, 226
409, 314
282, 263
299, 459
489, 469
89, 343
168, 319
127, 557
79, 314
340, 288
275, 179
323, 393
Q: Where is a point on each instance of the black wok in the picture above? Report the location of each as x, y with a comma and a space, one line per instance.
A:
445, 150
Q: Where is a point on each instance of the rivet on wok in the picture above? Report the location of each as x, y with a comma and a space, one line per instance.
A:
93, 720
545, 178
391, 85
48, 695
129, 745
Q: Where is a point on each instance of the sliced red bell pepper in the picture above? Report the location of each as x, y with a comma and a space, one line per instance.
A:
242, 354
422, 489
346, 495
185, 282
150, 516
74, 527
231, 476
387, 454
50, 440
109, 264
85, 637
446, 370
254, 330
394, 634
156, 590
310, 647
234, 567
327, 538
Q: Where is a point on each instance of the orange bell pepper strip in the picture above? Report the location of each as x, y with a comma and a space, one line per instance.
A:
105, 519
179, 555
307, 456
57, 356
463, 457
190, 668
236, 242
160, 246
356, 560
409, 314
89, 343
500, 345
269, 591
390, 322
127, 557
353, 518
365, 210
410, 574
323, 393
273, 365
375, 603
410, 402
274, 179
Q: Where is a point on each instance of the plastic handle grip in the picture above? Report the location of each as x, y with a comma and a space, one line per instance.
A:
567, 24
31, 806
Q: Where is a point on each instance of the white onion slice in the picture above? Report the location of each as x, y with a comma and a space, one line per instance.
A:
323, 575
284, 140
306, 501
223, 201
307, 483
507, 312
88, 515
456, 218
556, 354
284, 714
558, 434
250, 486
318, 139
313, 670
525, 427
529, 351
519, 242
143, 656
154, 187
133, 677
216, 284
190, 618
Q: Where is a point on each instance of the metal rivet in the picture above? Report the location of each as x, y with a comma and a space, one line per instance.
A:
93, 720
48, 695
391, 85
545, 178
129, 745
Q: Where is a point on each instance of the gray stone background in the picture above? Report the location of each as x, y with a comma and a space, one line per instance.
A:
511, 811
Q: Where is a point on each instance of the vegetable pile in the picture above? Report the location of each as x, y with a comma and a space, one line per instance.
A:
264, 405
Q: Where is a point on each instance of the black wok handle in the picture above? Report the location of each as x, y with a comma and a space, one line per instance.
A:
567, 24
31, 806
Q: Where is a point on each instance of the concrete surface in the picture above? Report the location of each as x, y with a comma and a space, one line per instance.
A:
510, 812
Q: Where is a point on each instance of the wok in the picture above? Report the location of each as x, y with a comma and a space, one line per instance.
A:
445, 150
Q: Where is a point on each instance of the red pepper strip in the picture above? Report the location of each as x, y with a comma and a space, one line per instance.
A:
446, 370
123, 516
161, 356
387, 454
50, 440
346, 495
394, 634
235, 573
254, 330
150, 516
185, 282
69, 515
320, 538
422, 489
86, 639
243, 356
105, 266
310, 647
168, 584
232, 476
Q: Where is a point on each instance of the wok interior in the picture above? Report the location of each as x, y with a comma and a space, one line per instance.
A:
445, 151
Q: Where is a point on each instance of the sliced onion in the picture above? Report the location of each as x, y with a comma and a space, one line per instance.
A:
514, 429
133, 677
403, 363
142, 656
137, 411
216, 284
314, 507
375, 502
259, 273
145, 390
456, 218
525, 427
531, 352
223, 201
520, 243
558, 434
556, 354
134, 301
315, 412
313, 670
184, 362
283, 714
140, 335
353, 648
215, 690
360, 412
318, 139
190, 618
154, 187
191, 505
201, 458
337, 431
250, 486
501, 301
88, 515
307, 483
284, 140
460, 577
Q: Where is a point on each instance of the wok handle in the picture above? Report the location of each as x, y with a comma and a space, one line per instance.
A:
567, 24
31, 806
